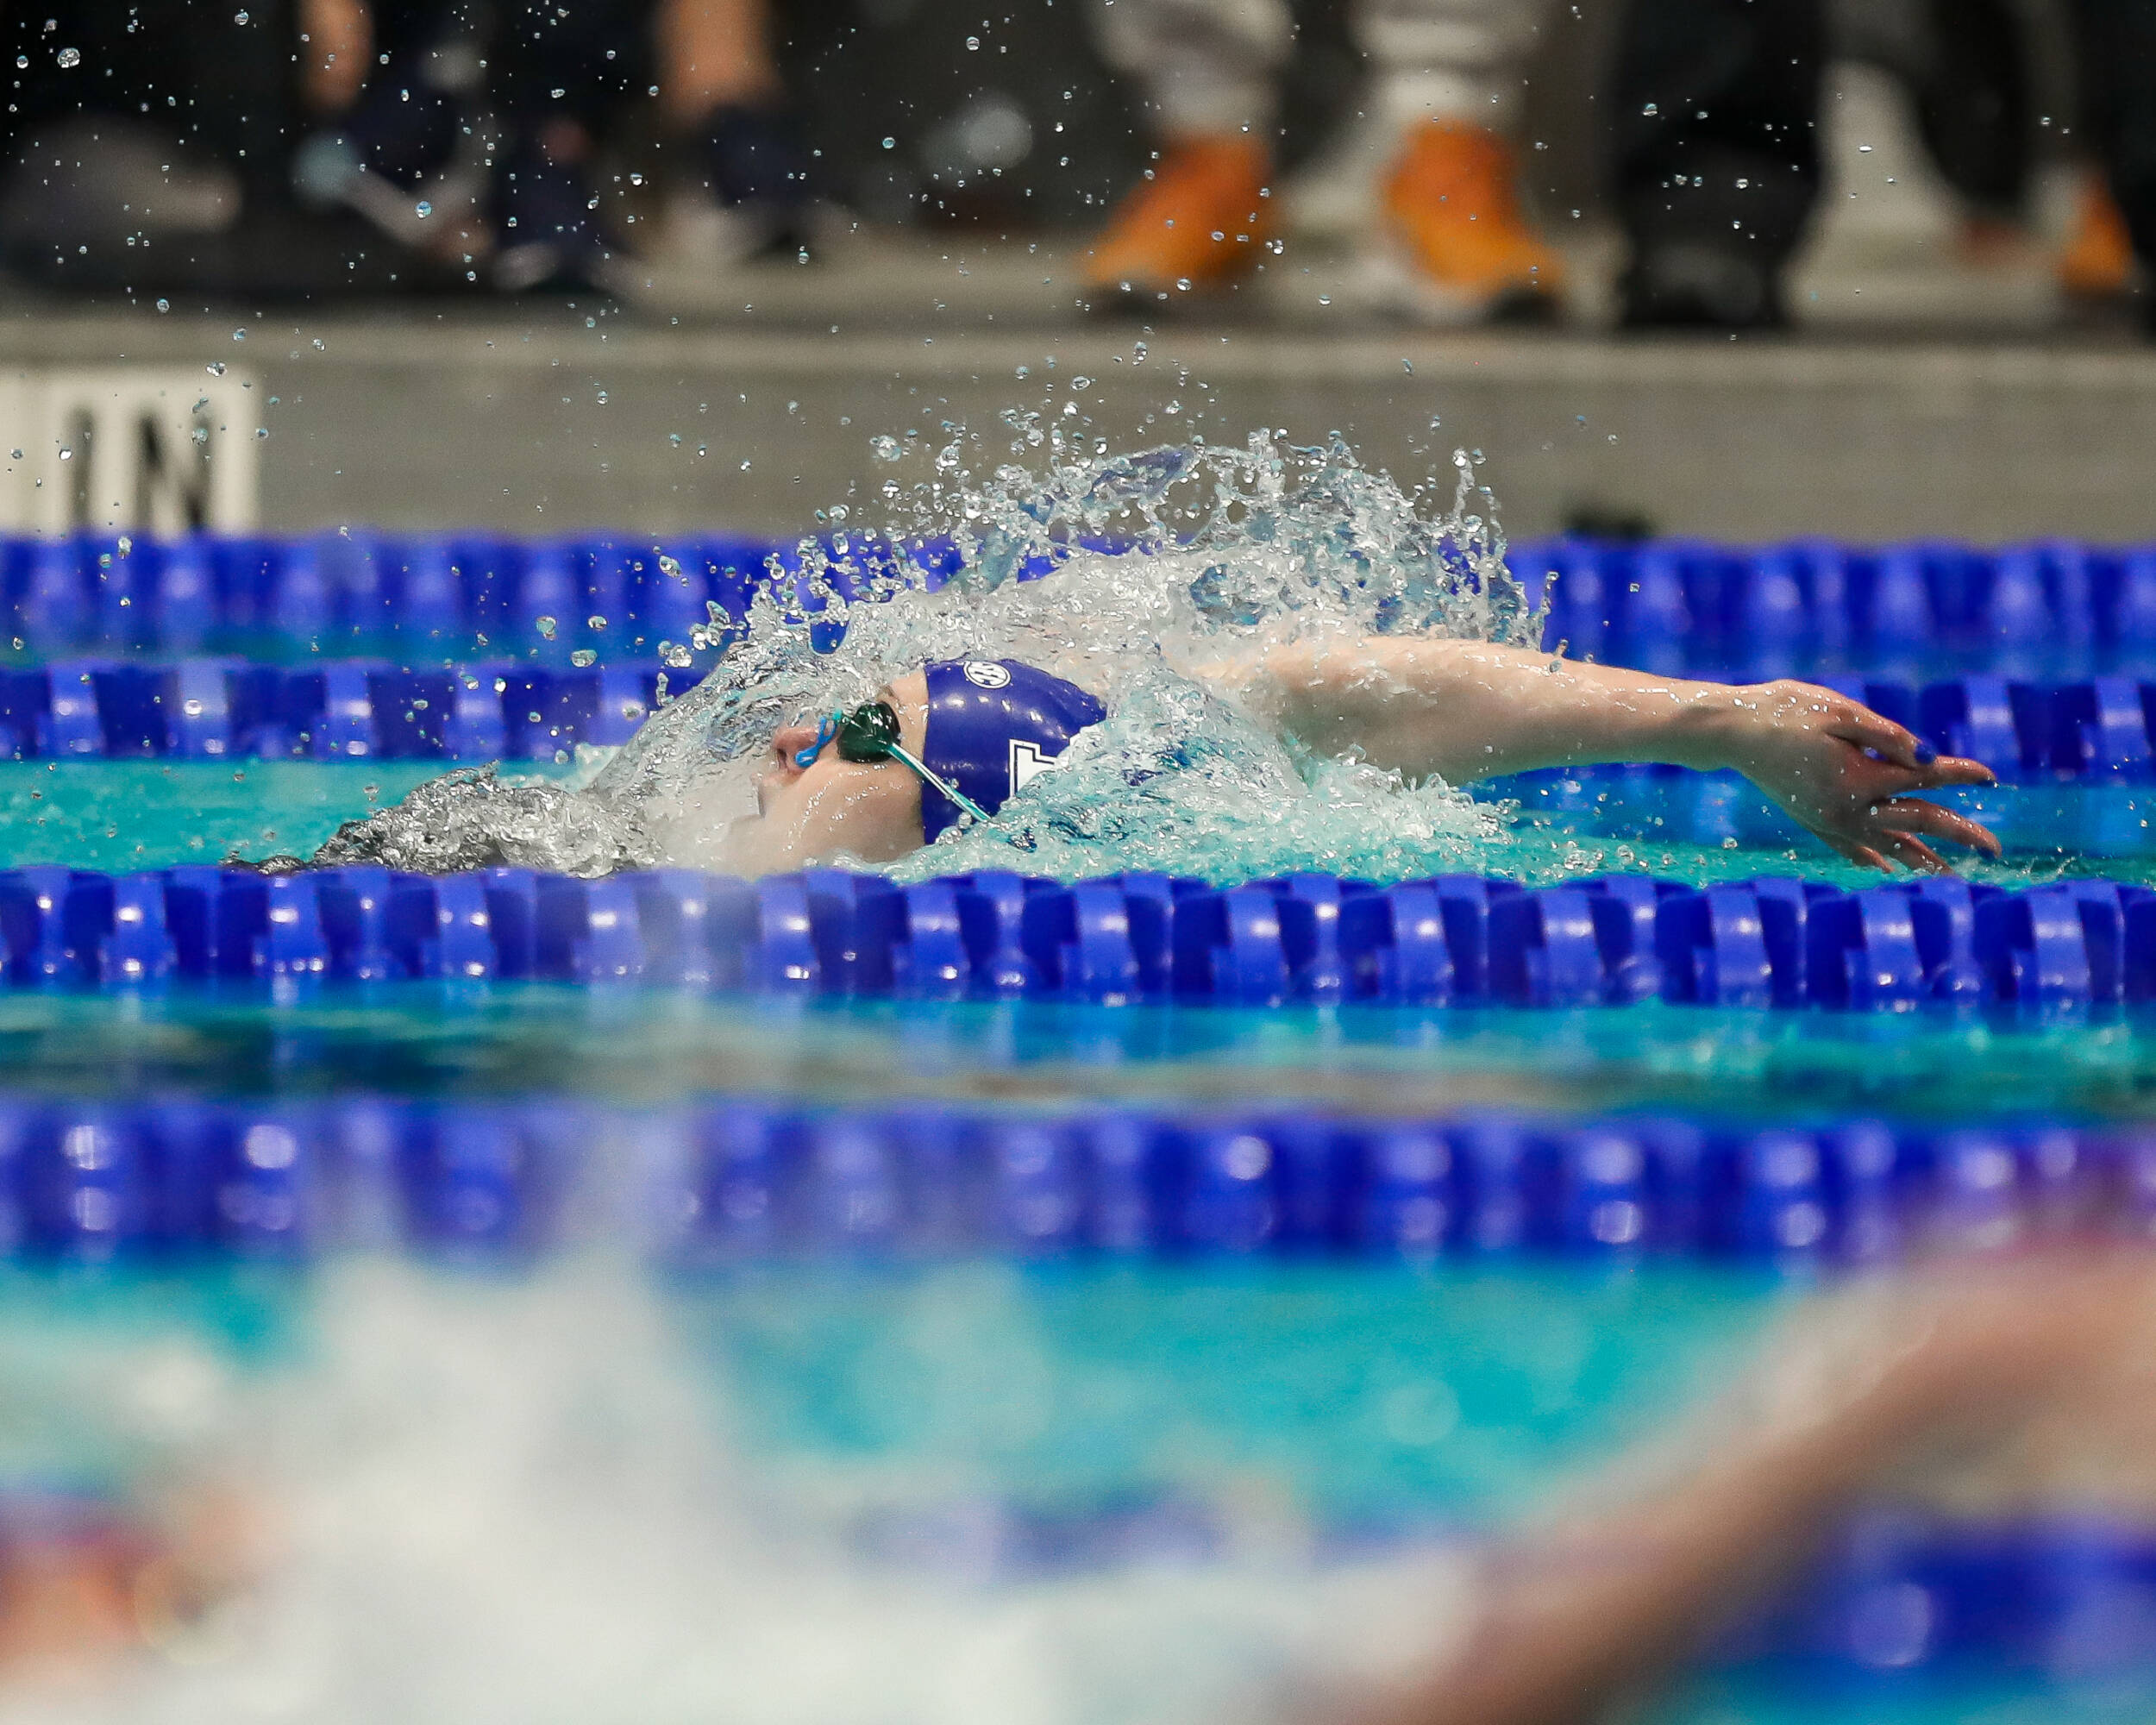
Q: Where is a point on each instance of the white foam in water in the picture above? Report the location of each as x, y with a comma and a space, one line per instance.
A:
1234, 549
509, 1500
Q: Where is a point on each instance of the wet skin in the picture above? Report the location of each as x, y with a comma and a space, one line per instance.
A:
1462, 711
867, 811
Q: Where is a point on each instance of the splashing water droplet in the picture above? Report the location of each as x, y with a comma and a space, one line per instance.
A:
595, 622
216, 369
885, 449
1229, 549
239, 17
422, 208
545, 625
583, 658
70, 58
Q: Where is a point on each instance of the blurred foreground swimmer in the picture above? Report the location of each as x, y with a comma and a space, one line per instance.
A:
2016, 1385
952, 743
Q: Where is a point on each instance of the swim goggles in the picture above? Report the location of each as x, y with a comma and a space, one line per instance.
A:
870, 733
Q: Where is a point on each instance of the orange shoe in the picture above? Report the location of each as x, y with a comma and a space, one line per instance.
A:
2097, 262
1462, 249
1198, 222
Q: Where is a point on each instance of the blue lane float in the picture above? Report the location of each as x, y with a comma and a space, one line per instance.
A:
341, 710
741, 1179
1133, 939
2097, 732
2055, 610
619, 597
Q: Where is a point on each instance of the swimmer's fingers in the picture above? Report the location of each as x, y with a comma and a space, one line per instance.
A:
1892, 741
1854, 849
1912, 815
1953, 770
1913, 855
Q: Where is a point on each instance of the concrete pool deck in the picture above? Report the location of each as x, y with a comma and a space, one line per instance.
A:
750, 403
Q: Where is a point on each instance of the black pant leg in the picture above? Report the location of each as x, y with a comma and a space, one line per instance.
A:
1714, 117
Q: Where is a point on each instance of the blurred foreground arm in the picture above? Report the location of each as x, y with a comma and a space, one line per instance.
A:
1469, 709
1576, 1621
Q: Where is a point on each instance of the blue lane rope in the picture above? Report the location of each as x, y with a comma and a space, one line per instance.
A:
2052, 611
2102, 731
1454, 940
741, 1179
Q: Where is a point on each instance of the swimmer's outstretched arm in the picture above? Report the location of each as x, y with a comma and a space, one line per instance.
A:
1577, 1620
1468, 710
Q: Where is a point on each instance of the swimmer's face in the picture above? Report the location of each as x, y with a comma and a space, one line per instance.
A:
869, 811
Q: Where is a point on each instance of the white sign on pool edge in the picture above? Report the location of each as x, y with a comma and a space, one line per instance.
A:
158, 450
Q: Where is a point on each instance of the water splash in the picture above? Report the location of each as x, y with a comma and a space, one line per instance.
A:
1134, 575
515, 1499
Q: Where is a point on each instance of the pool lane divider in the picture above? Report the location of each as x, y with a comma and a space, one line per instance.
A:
738, 1179
1454, 940
341, 710
2054, 608
2100, 732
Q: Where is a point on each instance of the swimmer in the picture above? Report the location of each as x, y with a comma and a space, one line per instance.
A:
2014, 1379
955, 740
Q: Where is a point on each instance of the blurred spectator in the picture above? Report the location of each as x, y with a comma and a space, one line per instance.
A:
1716, 155
1455, 246
475, 135
2116, 43
1716, 164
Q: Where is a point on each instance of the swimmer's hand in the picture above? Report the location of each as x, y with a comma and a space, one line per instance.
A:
1844, 774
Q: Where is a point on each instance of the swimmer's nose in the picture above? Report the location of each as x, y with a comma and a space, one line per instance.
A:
789, 740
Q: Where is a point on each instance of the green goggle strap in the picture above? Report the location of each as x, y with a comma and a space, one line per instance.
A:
871, 732
959, 798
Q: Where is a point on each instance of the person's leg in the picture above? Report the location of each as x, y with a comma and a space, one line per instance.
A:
1445, 85
559, 71
723, 104
2117, 52
1206, 69
1713, 108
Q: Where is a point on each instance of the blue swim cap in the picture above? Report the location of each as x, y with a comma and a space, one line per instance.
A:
992, 724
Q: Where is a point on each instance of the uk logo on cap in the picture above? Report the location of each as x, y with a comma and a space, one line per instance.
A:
986, 673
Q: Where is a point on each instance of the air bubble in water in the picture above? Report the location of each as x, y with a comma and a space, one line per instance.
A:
216, 369
595, 622
886, 448
545, 625
583, 658
422, 208
70, 58
239, 17
677, 656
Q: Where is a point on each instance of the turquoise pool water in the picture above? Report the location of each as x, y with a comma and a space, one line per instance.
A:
649, 1047
676, 1465
119, 815
1333, 1401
